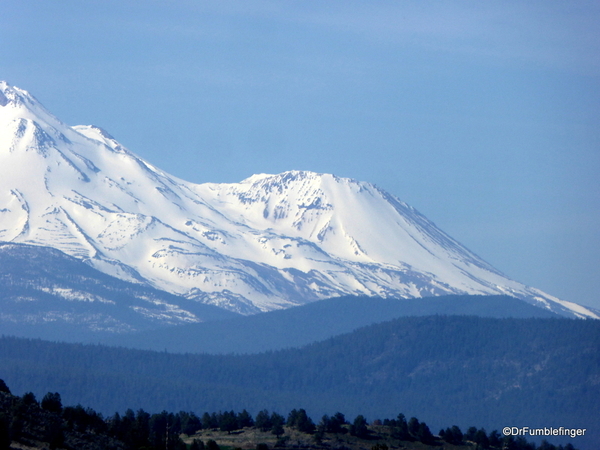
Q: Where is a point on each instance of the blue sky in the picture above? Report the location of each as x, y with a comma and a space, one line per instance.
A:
485, 116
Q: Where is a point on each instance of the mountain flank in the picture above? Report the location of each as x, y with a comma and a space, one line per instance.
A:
48, 294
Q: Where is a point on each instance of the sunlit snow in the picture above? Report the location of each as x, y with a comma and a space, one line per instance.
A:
268, 242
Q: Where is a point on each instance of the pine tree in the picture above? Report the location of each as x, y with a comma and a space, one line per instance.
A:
336, 423
494, 439
190, 423
470, 434
324, 425
29, 399
413, 427
424, 434
400, 428
359, 427
263, 420
304, 423
228, 422
52, 402
3, 387
207, 422
454, 435
245, 419
277, 422
481, 438
212, 445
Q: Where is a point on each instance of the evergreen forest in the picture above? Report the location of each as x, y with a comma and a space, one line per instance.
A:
463, 369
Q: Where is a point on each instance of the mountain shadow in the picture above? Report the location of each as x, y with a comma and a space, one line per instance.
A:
48, 294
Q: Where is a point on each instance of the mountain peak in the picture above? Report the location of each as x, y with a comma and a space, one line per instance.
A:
303, 180
282, 178
11, 95
17, 104
269, 242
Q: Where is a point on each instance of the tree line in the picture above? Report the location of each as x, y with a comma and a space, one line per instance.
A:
25, 420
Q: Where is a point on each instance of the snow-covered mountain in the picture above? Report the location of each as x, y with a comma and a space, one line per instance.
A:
268, 242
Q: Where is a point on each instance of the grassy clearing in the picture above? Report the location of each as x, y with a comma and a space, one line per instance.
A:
249, 438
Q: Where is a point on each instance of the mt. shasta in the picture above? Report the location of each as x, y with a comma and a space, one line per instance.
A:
268, 242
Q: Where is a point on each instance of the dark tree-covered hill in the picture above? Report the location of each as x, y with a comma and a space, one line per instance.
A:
26, 423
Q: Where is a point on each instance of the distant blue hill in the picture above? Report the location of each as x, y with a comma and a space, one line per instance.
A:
463, 370
317, 321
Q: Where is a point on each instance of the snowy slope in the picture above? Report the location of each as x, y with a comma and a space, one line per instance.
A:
268, 242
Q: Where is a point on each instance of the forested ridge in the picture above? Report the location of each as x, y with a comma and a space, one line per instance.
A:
493, 372
47, 424
316, 321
